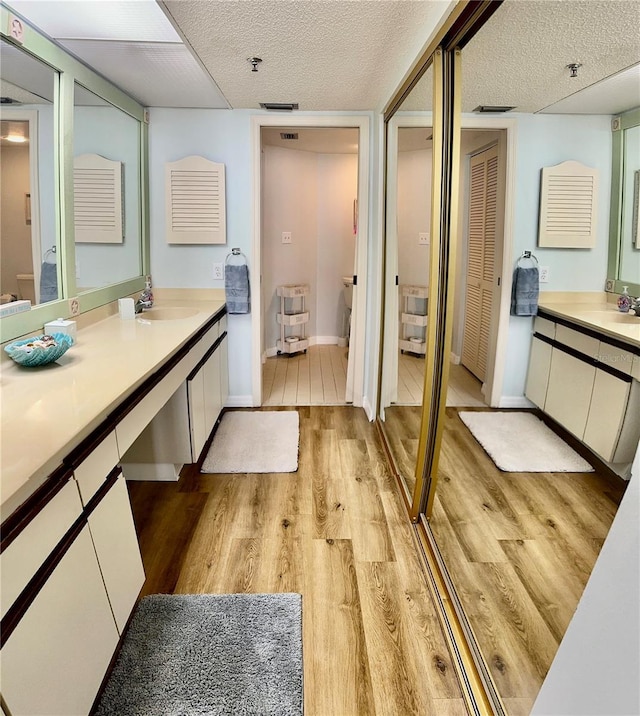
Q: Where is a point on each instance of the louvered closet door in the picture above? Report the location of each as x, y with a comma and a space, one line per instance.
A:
481, 253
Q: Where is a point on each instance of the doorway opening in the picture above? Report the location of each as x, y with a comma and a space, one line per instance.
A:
311, 246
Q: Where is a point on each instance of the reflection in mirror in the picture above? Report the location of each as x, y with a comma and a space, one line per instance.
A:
106, 143
27, 204
629, 271
409, 169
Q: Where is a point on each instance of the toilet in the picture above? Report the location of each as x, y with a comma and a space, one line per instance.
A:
26, 287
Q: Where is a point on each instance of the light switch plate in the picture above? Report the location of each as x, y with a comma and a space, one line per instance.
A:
423, 238
286, 237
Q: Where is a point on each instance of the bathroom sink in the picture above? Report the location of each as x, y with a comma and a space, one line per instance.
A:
167, 313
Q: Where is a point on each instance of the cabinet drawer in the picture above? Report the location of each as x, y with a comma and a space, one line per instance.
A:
544, 326
222, 324
56, 658
587, 345
635, 368
617, 358
24, 556
93, 471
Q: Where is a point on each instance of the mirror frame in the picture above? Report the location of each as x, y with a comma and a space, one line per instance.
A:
68, 71
618, 126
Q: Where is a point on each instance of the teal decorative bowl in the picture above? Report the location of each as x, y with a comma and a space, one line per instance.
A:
38, 355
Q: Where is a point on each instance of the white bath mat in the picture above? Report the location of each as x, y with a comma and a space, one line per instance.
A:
521, 442
255, 441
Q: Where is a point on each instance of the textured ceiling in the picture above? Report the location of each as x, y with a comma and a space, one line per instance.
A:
323, 55
345, 54
519, 57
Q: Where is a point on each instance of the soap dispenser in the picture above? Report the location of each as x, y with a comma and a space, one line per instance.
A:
624, 300
148, 293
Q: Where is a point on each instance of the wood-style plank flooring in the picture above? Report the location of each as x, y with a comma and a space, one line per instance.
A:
463, 389
402, 422
336, 532
317, 377
520, 548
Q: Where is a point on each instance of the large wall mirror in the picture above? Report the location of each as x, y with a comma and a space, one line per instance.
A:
624, 251
106, 151
517, 549
54, 110
27, 162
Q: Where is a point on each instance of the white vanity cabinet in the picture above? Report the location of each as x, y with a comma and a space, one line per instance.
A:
56, 657
180, 429
588, 384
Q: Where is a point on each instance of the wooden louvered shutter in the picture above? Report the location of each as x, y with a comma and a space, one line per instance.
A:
481, 257
97, 200
568, 206
195, 197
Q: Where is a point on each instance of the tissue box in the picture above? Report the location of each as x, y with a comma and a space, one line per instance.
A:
61, 326
8, 309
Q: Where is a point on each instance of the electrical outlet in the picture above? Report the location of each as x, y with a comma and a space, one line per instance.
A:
218, 271
286, 237
423, 238
544, 274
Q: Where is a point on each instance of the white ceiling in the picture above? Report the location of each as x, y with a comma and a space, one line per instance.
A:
346, 54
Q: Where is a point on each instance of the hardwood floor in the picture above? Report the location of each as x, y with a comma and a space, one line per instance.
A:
336, 532
520, 548
317, 377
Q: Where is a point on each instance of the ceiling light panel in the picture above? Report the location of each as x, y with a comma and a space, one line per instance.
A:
166, 75
141, 21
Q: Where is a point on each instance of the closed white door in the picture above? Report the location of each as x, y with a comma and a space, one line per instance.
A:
481, 258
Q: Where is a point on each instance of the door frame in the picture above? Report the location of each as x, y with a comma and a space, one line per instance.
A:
499, 338
355, 377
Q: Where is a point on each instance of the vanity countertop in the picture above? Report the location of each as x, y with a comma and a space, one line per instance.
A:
595, 311
47, 411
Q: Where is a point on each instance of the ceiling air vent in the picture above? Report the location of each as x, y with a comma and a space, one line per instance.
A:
288, 135
492, 108
279, 106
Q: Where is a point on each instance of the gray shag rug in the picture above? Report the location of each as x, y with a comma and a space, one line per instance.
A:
255, 441
191, 655
521, 442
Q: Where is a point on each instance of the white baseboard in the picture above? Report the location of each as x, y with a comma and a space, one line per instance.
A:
454, 358
239, 401
515, 401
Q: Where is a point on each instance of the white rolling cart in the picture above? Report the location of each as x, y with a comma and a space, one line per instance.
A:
292, 318
413, 319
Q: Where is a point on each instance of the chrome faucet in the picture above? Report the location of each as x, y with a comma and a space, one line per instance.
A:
144, 301
635, 306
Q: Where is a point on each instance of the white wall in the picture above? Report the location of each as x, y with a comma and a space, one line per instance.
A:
542, 141
337, 190
222, 136
595, 670
311, 195
414, 215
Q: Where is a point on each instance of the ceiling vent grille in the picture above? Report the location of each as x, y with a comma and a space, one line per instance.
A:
279, 106
288, 135
492, 109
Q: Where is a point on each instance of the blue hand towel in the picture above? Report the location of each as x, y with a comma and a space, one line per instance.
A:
48, 282
524, 296
236, 286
